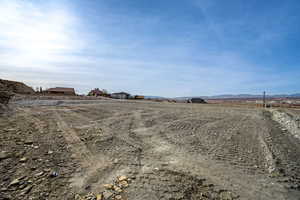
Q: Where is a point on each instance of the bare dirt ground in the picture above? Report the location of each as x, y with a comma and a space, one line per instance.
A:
146, 151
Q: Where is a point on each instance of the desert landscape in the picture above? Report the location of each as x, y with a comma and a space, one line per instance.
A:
149, 100
105, 149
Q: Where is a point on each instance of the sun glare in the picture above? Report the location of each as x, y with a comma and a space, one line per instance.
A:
35, 34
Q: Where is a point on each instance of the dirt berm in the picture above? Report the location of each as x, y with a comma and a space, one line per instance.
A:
9, 89
15, 87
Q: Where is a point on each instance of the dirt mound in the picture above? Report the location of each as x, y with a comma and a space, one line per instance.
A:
4, 99
15, 87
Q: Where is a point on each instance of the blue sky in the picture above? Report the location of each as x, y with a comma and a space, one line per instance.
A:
167, 48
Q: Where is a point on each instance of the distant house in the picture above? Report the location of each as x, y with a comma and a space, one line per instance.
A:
120, 95
61, 91
96, 92
196, 100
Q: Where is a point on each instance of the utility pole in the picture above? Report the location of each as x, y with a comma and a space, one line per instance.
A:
264, 99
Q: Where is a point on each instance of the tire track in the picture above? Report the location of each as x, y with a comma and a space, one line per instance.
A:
90, 163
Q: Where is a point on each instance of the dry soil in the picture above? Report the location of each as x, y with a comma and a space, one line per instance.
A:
165, 151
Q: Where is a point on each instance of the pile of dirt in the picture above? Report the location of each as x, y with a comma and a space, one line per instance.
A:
15, 87
4, 99
9, 89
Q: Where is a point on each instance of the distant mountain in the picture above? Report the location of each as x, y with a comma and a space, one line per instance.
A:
242, 96
295, 95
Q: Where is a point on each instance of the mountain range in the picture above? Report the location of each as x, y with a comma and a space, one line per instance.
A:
242, 96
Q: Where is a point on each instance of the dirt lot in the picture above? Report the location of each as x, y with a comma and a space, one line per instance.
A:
145, 151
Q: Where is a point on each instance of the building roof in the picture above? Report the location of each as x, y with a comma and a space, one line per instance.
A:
97, 91
61, 89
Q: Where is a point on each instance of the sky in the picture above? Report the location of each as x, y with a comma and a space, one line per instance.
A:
168, 48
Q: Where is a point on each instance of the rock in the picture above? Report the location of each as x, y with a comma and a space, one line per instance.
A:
28, 142
50, 152
78, 197
108, 186
88, 187
14, 182
117, 189
4, 155
39, 174
115, 161
99, 197
122, 178
24, 159
89, 196
119, 197
107, 194
124, 184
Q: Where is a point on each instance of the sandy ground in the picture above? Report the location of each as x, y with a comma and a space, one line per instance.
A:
68, 149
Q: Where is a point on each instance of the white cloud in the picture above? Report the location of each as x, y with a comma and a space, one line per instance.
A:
35, 35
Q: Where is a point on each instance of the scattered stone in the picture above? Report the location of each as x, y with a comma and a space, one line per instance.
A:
118, 197
14, 182
115, 161
50, 152
90, 196
124, 184
122, 178
78, 197
107, 194
108, 186
99, 197
88, 187
117, 189
28, 142
39, 174
24, 159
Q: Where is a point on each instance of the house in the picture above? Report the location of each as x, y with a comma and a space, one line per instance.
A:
196, 100
120, 95
60, 91
96, 92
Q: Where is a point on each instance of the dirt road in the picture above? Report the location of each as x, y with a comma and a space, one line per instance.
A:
166, 151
